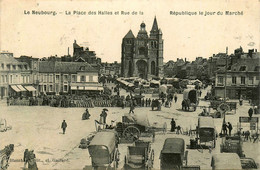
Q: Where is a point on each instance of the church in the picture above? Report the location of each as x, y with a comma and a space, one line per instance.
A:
142, 56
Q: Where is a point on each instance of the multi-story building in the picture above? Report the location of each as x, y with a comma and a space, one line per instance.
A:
15, 76
142, 56
242, 78
84, 54
67, 77
110, 68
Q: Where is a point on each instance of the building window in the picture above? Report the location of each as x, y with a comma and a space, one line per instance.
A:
23, 77
51, 88
8, 67
11, 79
91, 78
6, 78
51, 78
242, 68
65, 76
3, 66
82, 78
251, 80
14, 67
243, 80
220, 80
3, 79
45, 78
73, 78
57, 78
65, 88
234, 80
45, 88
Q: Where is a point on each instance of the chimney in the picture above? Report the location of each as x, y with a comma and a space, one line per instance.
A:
185, 60
255, 50
213, 55
68, 51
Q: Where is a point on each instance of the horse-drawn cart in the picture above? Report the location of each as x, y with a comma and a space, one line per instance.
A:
103, 150
139, 156
190, 99
134, 126
206, 131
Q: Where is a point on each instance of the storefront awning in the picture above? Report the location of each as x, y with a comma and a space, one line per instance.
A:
15, 88
87, 88
73, 87
30, 88
21, 87
94, 88
81, 88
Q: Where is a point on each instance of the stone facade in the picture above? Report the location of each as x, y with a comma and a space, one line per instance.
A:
142, 56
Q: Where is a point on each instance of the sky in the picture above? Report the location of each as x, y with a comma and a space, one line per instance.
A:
185, 36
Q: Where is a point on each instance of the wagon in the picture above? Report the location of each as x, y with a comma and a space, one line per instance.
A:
134, 126
206, 131
103, 150
226, 161
173, 154
232, 144
139, 156
190, 99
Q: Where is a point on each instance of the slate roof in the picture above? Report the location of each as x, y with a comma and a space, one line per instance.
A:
129, 34
64, 67
4, 58
155, 25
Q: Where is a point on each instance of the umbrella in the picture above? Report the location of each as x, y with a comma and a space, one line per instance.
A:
105, 109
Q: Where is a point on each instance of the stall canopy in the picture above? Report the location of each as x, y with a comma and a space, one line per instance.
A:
97, 88
15, 88
21, 87
30, 88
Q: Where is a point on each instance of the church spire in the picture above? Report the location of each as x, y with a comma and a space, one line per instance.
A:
155, 25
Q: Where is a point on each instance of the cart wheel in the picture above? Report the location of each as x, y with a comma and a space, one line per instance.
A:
130, 132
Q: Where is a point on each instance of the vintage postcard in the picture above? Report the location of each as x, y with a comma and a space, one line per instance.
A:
134, 84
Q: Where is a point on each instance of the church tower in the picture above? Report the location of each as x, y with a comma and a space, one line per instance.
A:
142, 56
156, 50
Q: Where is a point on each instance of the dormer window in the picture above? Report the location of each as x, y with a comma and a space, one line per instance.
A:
242, 68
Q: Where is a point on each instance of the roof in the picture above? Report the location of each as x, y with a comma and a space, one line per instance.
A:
105, 138
129, 34
173, 145
206, 122
64, 67
222, 161
5, 58
155, 25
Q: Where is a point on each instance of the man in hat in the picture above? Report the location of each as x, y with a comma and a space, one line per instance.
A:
103, 116
250, 113
64, 126
173, 125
